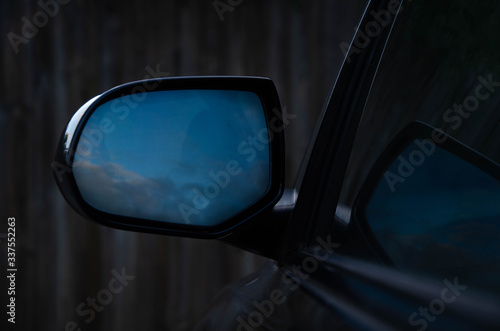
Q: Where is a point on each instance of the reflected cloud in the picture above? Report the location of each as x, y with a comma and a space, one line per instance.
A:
111, 188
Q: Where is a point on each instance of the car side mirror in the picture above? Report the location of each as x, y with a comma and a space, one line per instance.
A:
192, 156
431, 205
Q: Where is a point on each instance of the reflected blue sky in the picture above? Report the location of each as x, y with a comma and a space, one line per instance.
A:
442, 190
443, 219
162, 148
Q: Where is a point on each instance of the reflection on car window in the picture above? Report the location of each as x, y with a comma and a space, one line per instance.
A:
440, 67
441, 219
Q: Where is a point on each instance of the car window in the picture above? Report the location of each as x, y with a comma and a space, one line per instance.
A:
440, 67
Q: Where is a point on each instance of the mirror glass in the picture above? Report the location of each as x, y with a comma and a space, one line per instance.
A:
434, 213
193, 157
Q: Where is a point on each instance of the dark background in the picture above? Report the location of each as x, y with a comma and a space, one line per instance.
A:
83, 49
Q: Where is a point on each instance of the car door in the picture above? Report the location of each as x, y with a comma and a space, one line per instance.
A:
411, 64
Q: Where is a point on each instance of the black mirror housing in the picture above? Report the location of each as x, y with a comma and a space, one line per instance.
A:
185, 156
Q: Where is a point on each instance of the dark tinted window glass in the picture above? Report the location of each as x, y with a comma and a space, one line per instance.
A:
440, 67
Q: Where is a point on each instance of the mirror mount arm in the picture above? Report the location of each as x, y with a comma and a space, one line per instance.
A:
265, 235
